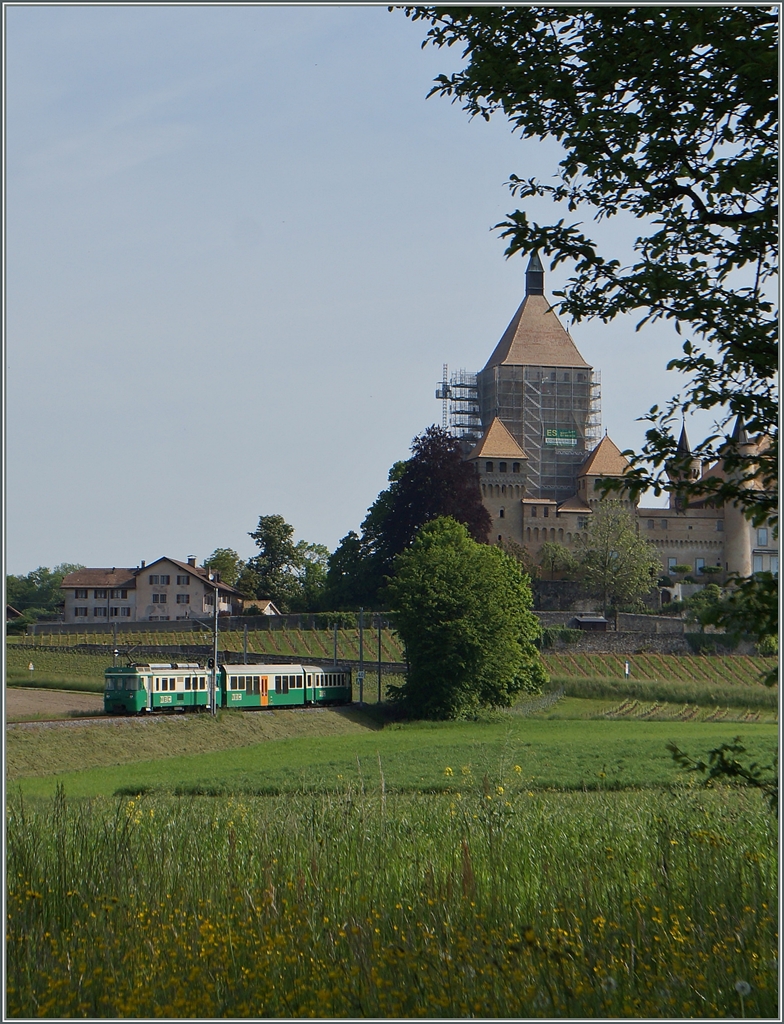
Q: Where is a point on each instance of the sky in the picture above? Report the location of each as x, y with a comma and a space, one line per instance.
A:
240, 243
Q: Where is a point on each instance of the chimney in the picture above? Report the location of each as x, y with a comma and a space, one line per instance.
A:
192, 561
143, 563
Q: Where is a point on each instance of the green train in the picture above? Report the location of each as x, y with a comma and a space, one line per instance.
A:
185, 686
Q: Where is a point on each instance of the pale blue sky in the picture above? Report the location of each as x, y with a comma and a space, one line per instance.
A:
240, 243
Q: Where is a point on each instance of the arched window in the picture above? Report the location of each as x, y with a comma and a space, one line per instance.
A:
501, 467
515, 467
501, 514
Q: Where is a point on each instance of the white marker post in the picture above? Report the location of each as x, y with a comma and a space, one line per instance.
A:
626, 670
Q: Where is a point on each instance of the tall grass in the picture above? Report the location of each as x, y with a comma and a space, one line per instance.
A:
375, 905
694, 692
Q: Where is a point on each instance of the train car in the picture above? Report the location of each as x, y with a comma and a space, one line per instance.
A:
185, 686
133, 689
274, 686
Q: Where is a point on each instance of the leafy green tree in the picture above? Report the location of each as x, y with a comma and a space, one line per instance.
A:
463, 612
311, 573
668, 115
700, 607
436, 481
227, 562
617, 565
39, 589
556, 558
290, 575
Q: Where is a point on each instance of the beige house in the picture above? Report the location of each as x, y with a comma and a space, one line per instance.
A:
167, 589
540, 455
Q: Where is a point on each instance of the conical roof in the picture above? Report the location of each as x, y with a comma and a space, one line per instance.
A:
605, 460
684, 448
536, 337
497, 443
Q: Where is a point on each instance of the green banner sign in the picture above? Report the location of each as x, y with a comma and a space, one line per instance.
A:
561, 438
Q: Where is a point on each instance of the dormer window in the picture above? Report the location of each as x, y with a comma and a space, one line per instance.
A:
501, 467
488, 467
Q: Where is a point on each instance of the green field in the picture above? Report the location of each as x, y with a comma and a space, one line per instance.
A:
203, 755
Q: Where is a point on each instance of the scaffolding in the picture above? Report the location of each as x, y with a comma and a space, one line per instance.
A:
460, 405
554, 413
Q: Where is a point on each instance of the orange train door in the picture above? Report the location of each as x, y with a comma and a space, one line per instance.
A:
264, 691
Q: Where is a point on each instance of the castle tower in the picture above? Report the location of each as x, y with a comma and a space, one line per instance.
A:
501, 464
544, 392
738, 531
683, 468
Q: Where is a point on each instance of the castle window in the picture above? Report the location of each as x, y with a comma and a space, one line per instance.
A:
501, 514
545, 511
582, 523
774, 564
664, 524
651, 524
671, 563
501, 467
757, 563
719, 525
515, 467
533, 511
699, 564
488, 467
762, 538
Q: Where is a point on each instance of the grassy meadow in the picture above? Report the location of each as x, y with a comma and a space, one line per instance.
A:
546, 861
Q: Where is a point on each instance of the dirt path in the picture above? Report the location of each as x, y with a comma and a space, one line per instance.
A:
25, 702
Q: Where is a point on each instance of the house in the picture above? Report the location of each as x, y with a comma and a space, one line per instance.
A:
166, 589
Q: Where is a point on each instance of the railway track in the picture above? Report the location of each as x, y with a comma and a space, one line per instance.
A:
104, 719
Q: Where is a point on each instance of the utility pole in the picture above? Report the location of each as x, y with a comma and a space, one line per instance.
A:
214, 675
361, 673
379, 659
245, 646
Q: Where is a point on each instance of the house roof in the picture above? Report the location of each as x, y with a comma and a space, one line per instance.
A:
195, 570
101, 578
575, 504
497, 443
536, 337
605, 460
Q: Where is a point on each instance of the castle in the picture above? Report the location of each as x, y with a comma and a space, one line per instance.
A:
530, 423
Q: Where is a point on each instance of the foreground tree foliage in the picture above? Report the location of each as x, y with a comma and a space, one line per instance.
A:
668, 115
463, 612
616, 564
436, 481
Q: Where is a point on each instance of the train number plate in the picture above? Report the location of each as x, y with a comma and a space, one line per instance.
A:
166, 698
236, 696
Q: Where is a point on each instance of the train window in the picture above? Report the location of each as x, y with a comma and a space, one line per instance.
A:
187, 682
202, 683
310, 680
242, 682
232, 682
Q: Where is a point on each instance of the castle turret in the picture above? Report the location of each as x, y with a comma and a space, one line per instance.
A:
683, 469
738, 531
